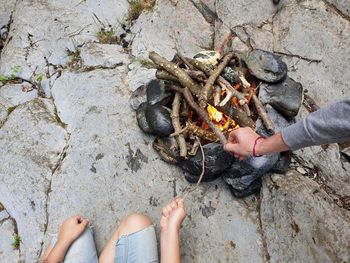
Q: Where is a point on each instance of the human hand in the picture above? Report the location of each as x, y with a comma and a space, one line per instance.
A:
71, 229
173, 215
241, 142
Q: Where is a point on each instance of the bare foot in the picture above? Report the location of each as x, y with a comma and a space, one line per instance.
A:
173, 215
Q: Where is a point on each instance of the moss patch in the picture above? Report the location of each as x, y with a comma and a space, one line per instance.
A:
136, 7
16, 241
107, 36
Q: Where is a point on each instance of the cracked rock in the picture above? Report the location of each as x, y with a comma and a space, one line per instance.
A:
167, 27
7, 232
31, 142
103, 55
301, 223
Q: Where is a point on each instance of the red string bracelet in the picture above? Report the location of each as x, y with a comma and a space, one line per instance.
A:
255, 143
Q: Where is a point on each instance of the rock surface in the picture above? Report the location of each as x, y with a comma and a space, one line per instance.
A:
32, 142
301, 222
81, 151
8, 254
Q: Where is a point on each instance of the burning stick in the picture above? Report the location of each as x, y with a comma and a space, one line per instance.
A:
262, 113
175, 117
203, 98
173, 69
201, 133
189, 98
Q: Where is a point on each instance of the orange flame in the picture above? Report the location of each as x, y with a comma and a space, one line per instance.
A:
219, 119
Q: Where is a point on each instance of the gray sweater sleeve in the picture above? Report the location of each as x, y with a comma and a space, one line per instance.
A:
327, 125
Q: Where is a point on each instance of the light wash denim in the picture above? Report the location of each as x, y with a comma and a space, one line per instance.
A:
137, 247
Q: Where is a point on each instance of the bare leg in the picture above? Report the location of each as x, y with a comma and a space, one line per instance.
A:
129, 225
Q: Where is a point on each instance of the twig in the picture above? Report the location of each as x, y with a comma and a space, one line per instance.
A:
176, 133
175, 70
175, 117
189, 98
194, 74
203, 98
193, 129
184, 60
194, 148
217, 95
231, 92
262, 113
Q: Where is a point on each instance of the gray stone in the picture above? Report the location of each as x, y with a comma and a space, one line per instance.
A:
6, 9
48, 29
286, 96
167, 27
346, 152
103, 55
7, 230
12, 95
139, 75
301, 223
342, 5
242, 12
31, 143
265, 65
314, 31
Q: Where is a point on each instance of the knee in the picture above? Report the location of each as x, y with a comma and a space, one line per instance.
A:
133, 223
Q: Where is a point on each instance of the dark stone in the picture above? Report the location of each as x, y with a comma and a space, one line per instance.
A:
158, 119
141, 118
231, 75
265, 65
253, 188
277, 119
125, 43
157, 93
123, 35
216, 161
138, 97
286, 96
244, 177
282, 165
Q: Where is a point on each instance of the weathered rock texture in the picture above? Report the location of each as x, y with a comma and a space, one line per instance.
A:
79, 149
301, 222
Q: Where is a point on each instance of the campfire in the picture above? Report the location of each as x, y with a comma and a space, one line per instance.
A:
194, 103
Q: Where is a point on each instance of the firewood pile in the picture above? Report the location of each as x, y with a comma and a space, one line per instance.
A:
194, 103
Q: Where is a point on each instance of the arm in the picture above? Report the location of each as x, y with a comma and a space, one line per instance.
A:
327, 125
170, 223
69, 231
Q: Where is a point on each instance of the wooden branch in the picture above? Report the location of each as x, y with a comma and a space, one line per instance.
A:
226, 41
194, 74
184, 60
262, 113
175, 70
217, 95
193, 129
208, 71
231, 91
189, 98
203, 98
164, 75
238, 115
175, 117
